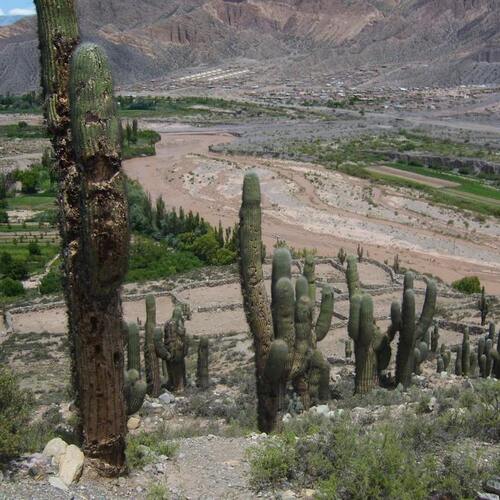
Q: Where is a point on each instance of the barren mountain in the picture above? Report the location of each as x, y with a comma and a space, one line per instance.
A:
422, 42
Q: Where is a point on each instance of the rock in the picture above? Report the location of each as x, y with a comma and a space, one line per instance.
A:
320, 410
167, 397
443, 374
156, 405
55, 448
57, 482
287, 417
308, 493
492, 486
288, 495
71, 464
134, 423
486, 496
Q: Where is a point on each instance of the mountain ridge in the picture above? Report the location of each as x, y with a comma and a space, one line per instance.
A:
458, 39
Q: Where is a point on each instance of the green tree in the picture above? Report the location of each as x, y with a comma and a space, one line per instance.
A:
11, 288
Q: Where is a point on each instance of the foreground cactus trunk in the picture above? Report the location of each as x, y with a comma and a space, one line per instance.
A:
93, 225
58, 37
102, 261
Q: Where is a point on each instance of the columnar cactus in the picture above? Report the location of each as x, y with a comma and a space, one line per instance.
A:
445, 356
202, 380
435, 338
483, 307
284, 336
410, 330
173, 349
135, 391
420, 355
309, 274
133, 348
348, 349
458, 362
102, 258
151, 363
488, 351
466, 354
372, 350
342, 255
440, 364
473, 361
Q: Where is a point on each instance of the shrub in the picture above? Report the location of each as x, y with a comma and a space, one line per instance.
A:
17, 271
271, 463
34, 248
4, 217
468, 285
15, 407
51, 282
11, 288
143, 448
157, 492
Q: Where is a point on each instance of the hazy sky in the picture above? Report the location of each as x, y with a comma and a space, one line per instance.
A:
16, 7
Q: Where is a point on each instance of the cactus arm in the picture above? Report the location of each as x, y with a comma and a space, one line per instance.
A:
354, 312
352, 276
408, 282
133, 348
303, 329
325, 316
428, 310
406, 346
160, 347
281, 267
309, 274
276, 362
395, 325
284, 316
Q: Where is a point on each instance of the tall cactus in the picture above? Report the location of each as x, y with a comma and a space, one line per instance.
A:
202, 378
372, 350
466, 354
102, 259
173, 349
410, 330
58, 37
151, 363
283, 334
435, 338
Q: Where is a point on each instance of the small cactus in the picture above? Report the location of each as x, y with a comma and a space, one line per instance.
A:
342, 255
483, 306
440, 364
473, 362
466, 353
151, 363
360, 251
395, 265
458, 362
435, 338
202, 379
134, 391
420, 355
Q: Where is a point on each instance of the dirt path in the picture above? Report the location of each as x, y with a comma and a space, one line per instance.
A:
332, 212
421, 179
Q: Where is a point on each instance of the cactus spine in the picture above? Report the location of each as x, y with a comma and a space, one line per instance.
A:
202, 380
283, 334
410, 330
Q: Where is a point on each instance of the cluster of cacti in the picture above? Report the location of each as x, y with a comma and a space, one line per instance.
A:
172, 347
284, 334
411, 331
488, 357
202, 377
443, 359
372, 350
483, 306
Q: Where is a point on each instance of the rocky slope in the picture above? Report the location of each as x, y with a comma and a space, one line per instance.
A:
422, 41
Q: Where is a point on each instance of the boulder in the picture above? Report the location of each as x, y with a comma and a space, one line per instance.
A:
58, 483
55, 448
134, 423
71, 465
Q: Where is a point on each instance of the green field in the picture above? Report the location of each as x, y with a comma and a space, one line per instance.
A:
31, 202
35, 263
